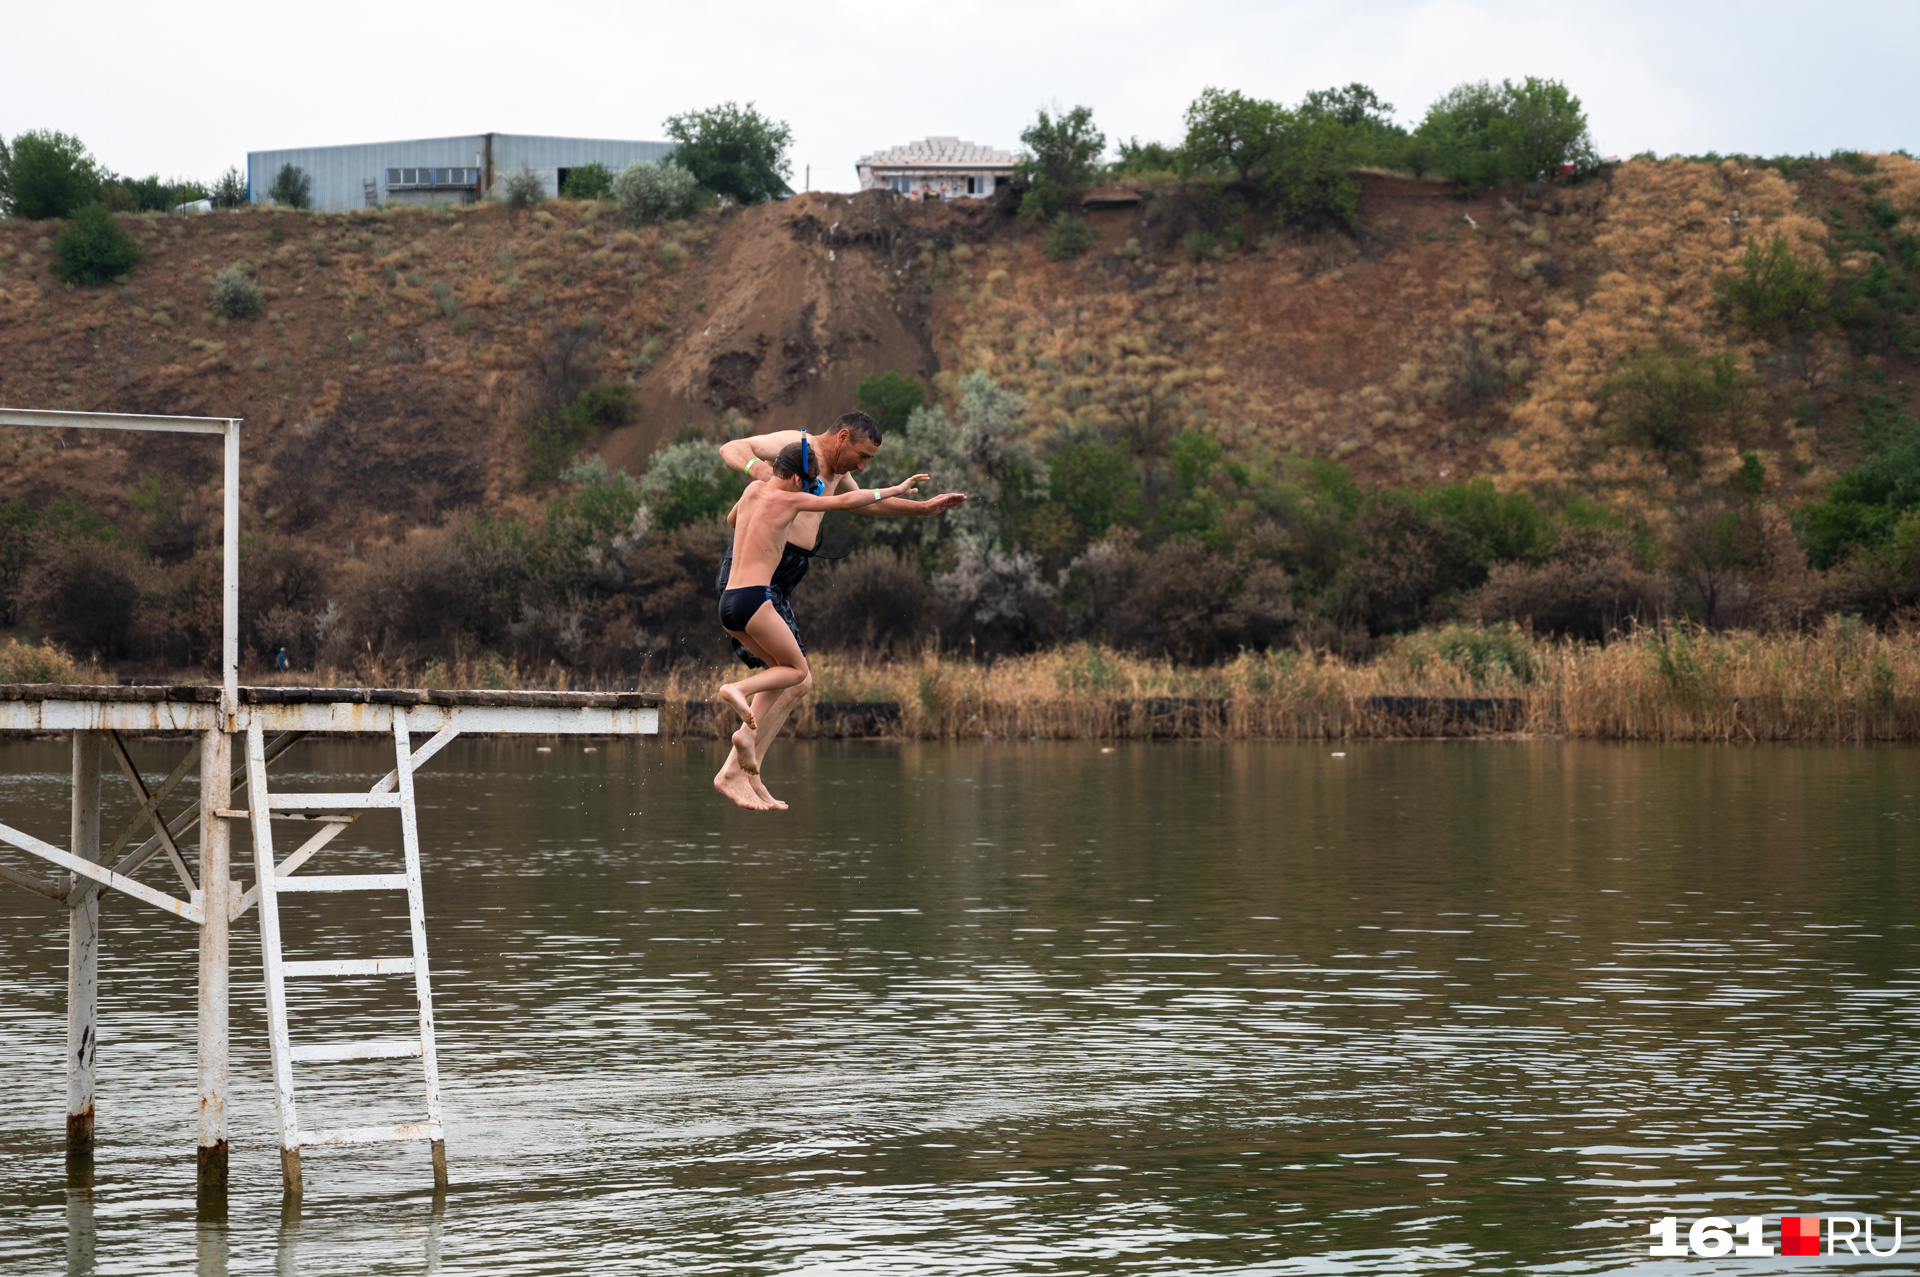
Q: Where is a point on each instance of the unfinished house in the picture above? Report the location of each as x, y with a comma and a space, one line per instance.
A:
938, 168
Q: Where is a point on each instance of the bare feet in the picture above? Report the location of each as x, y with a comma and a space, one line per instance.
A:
731, 695
734, 786
760, 788
743, 751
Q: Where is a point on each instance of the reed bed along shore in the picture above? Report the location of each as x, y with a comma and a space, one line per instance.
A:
1844, 682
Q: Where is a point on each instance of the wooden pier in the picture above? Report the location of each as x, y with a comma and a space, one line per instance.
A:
211, 724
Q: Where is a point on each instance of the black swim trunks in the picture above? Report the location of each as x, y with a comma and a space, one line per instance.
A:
738, 606
794, 562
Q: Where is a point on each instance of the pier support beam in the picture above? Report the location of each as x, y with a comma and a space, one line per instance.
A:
83, 947
217, 897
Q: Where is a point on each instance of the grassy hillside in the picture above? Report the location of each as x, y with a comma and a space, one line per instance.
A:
1587, 345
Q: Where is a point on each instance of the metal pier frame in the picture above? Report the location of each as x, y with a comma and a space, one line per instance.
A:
268, 721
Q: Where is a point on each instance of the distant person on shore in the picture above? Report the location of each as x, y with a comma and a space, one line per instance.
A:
840, 451
760, 521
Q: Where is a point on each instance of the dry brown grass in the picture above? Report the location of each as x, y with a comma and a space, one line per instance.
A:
1844, 683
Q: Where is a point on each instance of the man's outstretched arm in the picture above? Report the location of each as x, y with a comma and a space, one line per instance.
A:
752, 453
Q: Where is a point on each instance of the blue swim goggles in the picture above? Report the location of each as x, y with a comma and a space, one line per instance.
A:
809, 481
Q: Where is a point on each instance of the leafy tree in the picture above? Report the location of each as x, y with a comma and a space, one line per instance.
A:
291, 187
591, 181
1309, 169
1141, 158
734, 151
1228, 132
1776, 294
231, 190
1061, 159
1489, 134
49, 174
889, 398
1353, 105
93, 249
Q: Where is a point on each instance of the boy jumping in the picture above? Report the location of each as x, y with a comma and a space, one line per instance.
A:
760, 522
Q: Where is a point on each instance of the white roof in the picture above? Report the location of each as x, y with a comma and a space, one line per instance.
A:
936, 151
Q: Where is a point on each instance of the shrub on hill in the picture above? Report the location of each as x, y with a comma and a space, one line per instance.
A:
555, 436
649, 193
236, 296
93, 249
1067, 237
522, 190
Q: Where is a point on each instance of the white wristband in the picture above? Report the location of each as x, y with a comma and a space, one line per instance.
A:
877, 496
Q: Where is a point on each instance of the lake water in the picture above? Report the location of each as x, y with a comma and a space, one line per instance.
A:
1035, 1008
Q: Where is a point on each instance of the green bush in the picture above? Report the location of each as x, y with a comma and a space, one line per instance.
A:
654, 192
555, 436
1199, 245
1861, 507
47, 174
1486, 654
889, 398
291, 187
1069, 236
93, 249
236, 296
734, 151
686, 484
1667, 400
591, 181
1774, 293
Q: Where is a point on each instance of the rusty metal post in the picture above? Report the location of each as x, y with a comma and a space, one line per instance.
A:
83, 947
217, 898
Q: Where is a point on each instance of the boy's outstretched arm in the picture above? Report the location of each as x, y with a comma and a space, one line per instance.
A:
855, 500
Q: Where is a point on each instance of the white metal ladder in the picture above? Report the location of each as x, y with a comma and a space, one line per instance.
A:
395, 790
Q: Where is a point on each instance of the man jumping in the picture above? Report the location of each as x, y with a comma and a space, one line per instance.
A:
844, 449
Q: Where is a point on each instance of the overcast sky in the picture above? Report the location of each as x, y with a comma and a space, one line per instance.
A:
187, 90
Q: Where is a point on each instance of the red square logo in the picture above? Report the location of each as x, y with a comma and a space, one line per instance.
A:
1799, 1234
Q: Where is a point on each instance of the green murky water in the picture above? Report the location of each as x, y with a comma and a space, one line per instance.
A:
1032, 1008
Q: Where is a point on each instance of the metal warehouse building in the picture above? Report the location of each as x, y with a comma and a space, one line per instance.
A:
454, 170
